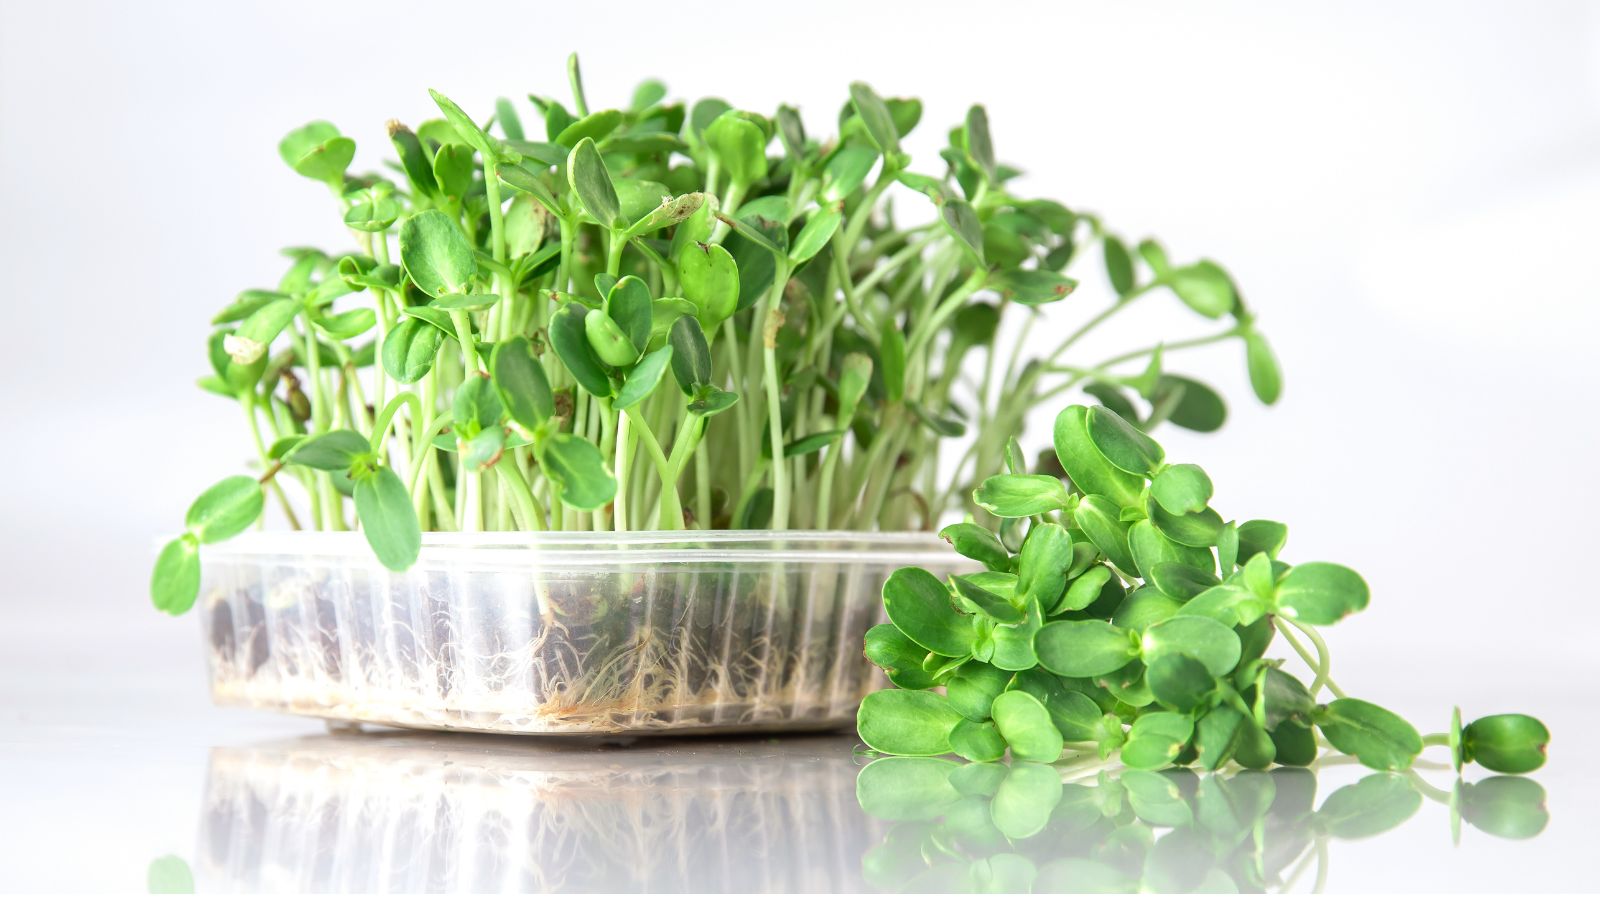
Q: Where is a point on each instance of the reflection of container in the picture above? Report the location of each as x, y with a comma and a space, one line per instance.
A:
556, 633
392, 812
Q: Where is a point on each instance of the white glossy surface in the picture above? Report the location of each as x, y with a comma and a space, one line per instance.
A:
111, 758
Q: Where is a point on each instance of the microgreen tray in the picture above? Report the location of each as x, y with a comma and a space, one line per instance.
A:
556, 633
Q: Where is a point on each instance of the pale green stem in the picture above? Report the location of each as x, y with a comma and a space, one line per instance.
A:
527, 508
889, 266
742, 410
671, 504
620, 505
380, 429
702, 489
248, 400
1320, 665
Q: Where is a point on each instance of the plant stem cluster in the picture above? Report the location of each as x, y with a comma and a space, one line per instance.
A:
670, 316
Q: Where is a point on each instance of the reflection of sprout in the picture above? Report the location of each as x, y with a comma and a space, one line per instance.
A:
169, 875
1505, 806
394, 812
994, 827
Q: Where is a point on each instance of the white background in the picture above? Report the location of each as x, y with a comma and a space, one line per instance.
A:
1405, 192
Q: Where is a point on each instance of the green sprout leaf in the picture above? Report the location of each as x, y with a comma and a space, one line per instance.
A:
962, 220
1181, 489
876, 117
587, 175
1084, 649
1033, 287
483, 449
1026, 726
670, 211
1193, 405
1180, 682
1511, 743
1013, 643
464, 302
980, 146
1265, 377
346, 325
578, 471
1216, 737
709, 278
1019, 496
643, 378
335, 451
1372, 734
691, 354
1100, 519
318, 152
175, 582
569, 337
977, 741
1204, 287
436, 253
1181, 581
1043, 564
815, 234
919, 605
468, 130
977, 543
1086, 589
1284, 699
1149, 548
413, 160
907, 723
898, 656
1089, 470
225, 509
477, 403
628, 305
1122, 445
846, 171
410, 350
740, 143
592, 127
1119, 265
978, 599
1321, 593
523, 386
1156, 739
1214, 645
387, 519
525, 180
1196, 529
1262, 536
972, 688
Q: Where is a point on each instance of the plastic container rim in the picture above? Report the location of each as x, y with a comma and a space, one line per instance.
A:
571, 549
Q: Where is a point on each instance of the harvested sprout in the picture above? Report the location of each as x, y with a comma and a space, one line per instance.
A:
1119, 613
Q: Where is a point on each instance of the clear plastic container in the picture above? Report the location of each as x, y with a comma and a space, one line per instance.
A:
556, 633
